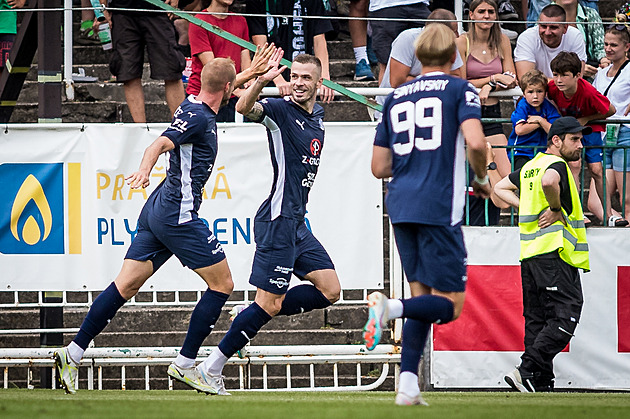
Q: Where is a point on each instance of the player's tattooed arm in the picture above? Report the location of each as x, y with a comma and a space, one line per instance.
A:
256, 113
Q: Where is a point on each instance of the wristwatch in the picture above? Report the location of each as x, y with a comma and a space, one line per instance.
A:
492, 166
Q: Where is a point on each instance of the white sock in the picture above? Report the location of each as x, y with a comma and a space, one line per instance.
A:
409, 384
394, 308
76, 353
182, 362
360, 53
214, 363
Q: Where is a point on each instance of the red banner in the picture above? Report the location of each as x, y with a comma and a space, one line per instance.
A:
623, 308
492, 319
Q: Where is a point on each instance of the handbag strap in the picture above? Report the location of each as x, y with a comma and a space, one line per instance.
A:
615, 78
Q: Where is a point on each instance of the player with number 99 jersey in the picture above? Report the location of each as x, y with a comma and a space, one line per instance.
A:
421, 125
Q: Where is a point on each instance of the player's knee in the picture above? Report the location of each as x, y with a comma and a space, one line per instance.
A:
332, 292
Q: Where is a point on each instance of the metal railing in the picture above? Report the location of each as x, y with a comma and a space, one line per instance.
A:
95, 359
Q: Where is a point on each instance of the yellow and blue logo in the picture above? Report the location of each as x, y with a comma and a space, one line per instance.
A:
32, 202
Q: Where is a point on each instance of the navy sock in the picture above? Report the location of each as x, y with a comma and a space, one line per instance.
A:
244, 327
302, 299
202, 321
102, 311
428, 308
415, 334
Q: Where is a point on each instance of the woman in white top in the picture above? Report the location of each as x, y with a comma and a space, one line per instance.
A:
617, 45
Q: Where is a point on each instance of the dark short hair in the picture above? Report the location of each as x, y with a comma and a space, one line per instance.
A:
309, 59
566, 62
554, 10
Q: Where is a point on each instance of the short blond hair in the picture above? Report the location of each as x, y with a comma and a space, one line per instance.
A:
217, 73
436, 45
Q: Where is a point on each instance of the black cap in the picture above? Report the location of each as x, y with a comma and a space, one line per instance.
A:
567, 125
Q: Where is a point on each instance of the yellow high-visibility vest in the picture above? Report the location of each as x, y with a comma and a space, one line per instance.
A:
569, 239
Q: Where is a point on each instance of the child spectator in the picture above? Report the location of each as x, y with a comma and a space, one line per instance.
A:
576, 97
531, 119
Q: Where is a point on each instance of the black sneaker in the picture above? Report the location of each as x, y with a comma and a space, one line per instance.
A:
506, 11
521, 381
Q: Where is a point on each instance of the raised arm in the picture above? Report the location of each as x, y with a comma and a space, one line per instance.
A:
246, 103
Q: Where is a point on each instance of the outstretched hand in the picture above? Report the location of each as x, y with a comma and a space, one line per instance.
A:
260, 62
273, 70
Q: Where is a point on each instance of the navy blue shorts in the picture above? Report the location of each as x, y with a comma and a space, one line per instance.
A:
192, 243
433, 255
285, 246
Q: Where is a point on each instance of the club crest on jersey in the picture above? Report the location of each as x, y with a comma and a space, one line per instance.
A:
472, 99
316, 147
321, 123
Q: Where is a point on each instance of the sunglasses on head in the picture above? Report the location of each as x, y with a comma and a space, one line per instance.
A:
618, 27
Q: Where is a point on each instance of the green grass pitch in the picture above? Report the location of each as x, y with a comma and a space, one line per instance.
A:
23, 404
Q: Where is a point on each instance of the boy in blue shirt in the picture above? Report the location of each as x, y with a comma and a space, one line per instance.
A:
531, 119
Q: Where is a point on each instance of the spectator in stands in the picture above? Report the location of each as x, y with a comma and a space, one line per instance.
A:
574, 96
531, 119
384, 32
614, 83
403, 65
537, 46
131, 32
205, 46
358, 34
592, 32
295, 35
181, 24
87, 34
488, 66
531, 10
8, 28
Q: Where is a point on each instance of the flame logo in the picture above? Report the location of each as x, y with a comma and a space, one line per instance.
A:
31, 189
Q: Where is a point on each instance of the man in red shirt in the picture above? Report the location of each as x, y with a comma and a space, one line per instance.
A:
205, 46
576, 97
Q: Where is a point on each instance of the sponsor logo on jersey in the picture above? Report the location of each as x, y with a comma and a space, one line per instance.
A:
316, 147
32, 214
283, 269
300, 123
279, 282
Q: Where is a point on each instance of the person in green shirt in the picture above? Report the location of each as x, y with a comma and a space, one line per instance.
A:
8, 27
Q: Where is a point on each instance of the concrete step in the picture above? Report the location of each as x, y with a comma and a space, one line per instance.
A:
340, 69
150, 319
157, 111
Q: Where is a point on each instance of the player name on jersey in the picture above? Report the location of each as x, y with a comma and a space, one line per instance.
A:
420, 86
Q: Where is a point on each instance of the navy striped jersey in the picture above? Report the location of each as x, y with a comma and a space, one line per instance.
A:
421, 125
296, 138
193, 131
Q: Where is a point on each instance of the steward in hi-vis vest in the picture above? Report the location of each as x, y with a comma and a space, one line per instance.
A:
567, 236
553, 248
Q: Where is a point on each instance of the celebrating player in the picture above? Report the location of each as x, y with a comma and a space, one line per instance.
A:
169, 224
284, 245
419, 144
